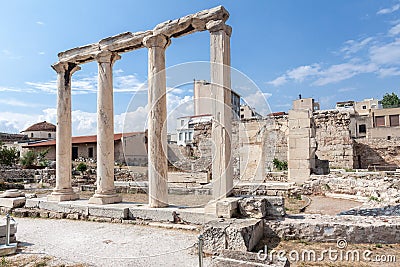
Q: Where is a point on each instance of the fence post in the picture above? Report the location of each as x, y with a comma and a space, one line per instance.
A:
8, 229
200, 251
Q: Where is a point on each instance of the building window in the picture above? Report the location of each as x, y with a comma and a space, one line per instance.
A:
394, 120
190, 135
90, 152
180, 136
186, 136
362, 128
31, 135
182, 122
379, 121
364, 107
388, 138
49, 135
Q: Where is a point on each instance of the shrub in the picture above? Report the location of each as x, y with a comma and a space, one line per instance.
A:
280, 165
81, 167
28, 159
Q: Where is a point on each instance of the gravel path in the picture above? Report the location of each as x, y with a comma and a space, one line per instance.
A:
107, 244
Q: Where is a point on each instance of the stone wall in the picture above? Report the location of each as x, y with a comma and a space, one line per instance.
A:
334, 142
362, 185
380, 154
21, 175
324, 228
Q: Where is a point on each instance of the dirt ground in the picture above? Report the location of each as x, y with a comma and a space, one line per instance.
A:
46, 242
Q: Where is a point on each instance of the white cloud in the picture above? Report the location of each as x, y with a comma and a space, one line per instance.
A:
340, 72
385, 72
41, 53
388, 10
88, 85
16, 103
351, 46
302, 72
258, 101
281, 80
41, 23
346, 89
386, 53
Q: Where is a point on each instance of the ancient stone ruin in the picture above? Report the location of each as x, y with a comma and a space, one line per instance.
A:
106, 52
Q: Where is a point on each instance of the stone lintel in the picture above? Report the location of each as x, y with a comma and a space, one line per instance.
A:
191, 23
124, 42
80, 54
129, 41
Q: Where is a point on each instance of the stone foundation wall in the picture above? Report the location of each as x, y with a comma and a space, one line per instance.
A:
324, 228
20, 175
334, 142
381, 154
370, 185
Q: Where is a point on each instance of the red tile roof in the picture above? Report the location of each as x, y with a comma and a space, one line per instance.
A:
82, 139
41, 126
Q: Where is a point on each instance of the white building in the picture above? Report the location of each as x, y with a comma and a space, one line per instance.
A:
185, 128
203, 99
40, 131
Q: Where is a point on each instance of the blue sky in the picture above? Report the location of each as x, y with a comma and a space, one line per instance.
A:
329, 50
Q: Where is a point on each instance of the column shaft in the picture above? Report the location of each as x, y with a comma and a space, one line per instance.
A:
157, 126
105, 193
63, 190
222, 170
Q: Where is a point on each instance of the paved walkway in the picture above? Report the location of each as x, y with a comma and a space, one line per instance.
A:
107, 244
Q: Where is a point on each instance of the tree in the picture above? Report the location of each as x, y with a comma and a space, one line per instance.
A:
8, 156
390, 100
28, 159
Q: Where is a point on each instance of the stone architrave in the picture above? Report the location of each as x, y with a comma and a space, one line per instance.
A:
222, 170
105, 193
63, 190
157, 126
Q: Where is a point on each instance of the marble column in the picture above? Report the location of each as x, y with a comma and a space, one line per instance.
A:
105, 193
222, 169
63, 190
157, 121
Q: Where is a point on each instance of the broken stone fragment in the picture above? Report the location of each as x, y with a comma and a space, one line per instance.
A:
12, 193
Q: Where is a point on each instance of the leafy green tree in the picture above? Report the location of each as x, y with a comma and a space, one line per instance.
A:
28, 159
390, 100
8, 156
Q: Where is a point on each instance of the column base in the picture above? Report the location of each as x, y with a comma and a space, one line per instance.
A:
62, 195
211, 208
105, 199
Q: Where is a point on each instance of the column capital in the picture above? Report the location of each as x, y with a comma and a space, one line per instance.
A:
218, 25
61, 66
159, 40
106, 56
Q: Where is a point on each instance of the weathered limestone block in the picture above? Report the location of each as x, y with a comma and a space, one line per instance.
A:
80, 54
262, 206
14, 202
12, 193
232, 234
227, 207
124, 42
